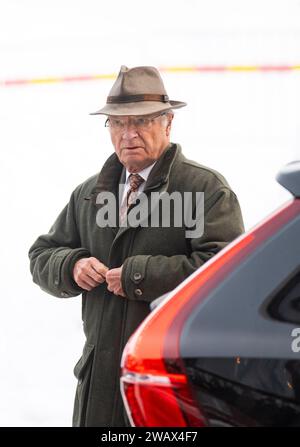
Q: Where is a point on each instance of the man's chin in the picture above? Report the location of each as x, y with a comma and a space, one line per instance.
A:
134, 164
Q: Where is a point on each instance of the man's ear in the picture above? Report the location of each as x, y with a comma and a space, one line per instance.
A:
169, 125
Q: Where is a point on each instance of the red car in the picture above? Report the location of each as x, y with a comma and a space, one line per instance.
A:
223, 348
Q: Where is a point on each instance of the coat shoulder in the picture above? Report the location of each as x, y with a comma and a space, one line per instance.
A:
86, 187
200, 176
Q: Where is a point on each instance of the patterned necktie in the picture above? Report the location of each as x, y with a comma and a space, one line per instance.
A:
135, 180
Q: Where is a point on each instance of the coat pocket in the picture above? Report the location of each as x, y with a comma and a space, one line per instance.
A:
82, 372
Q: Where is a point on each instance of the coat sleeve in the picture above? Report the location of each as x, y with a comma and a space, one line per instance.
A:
146, 277
53, 255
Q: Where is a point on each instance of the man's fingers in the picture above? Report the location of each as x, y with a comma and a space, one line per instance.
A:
112, 274
95, 275
84, 285
90, 272
112, 286
98, 266
94, 269
113, 279
88, 280
119, 292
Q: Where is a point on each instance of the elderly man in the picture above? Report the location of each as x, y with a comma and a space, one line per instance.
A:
121, 268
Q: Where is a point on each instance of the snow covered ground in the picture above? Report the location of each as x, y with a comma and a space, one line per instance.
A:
244, 124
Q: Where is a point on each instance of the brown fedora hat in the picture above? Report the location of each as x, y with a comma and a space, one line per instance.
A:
138, 91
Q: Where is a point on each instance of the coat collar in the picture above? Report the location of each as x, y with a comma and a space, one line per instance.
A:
113, 172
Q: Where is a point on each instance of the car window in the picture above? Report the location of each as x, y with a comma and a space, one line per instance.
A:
285, 306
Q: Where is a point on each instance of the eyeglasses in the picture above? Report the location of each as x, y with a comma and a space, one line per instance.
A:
139, 122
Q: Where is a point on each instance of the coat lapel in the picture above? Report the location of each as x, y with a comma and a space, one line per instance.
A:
113, 174
157, 181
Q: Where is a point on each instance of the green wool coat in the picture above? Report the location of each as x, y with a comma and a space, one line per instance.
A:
155, 260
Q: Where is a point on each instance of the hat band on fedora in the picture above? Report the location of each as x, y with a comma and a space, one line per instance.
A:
136, 98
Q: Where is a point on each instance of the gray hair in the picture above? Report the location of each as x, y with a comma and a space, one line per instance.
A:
166, 116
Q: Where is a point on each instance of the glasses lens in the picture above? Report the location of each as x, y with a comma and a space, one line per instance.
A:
139, 122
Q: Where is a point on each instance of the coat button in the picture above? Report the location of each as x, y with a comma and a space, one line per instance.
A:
137, 276
138, 292
64, 294
56, 282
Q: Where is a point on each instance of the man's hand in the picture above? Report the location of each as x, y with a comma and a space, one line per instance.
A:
113, 279
89, 273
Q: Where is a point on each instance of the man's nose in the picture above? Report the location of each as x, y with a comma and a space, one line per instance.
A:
129, 132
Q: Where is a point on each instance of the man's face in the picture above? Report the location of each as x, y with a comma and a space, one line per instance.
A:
139, 140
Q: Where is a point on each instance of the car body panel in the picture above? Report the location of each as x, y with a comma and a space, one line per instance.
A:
238, 357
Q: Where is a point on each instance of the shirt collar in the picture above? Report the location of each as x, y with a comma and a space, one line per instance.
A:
144, 173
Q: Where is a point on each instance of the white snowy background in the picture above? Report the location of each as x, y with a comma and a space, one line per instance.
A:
244, 124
